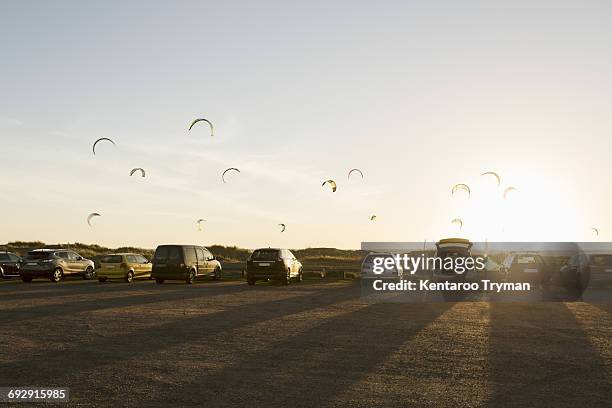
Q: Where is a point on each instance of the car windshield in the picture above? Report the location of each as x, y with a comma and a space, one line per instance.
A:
34, 255
265, 255
4, 257
111, 259
164, 253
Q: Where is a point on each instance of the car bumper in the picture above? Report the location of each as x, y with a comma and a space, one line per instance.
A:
35, 272
111, 273
170, 275
265, 274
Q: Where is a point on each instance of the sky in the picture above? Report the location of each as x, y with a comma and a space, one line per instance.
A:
419, 95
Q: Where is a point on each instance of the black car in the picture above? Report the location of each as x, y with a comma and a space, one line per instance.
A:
9, 265
184, 262
273, 263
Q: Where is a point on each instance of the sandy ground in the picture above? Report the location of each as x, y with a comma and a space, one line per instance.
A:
313, 344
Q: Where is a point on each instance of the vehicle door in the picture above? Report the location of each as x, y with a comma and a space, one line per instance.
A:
77, 265
82, 262
286, 260
143, 265
293, 261
64, 262
191, 259
202, 261
210, 265
132, 264
15, 261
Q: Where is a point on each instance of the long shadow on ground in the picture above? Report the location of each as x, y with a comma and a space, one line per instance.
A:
312, 368
51, 368
540, 356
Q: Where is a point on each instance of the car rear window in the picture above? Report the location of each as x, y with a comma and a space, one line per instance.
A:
39, 255
164, 253
265, 255
526, 259
111, 259
370, 258
602, 260
453, 252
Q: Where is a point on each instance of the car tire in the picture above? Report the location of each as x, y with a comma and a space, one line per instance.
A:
217, 275
89, 272
251, 281
286, 280
56, 275
129, 277
26, 279
159, 281
300, 277
102, 280
191, 277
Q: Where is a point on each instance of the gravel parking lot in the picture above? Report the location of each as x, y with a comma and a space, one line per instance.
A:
224, 344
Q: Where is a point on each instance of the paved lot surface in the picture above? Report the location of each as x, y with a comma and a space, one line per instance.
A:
225, 344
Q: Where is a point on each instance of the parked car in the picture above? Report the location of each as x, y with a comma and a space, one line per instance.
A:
273, 263
454, 248
575, 274
367, 268
125, 266
184, 262
600, 263
54, 264
526, 267
9, 265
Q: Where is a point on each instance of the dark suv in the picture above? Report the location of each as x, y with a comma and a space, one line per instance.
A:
55, 264
9, 265
273, 263
184, 262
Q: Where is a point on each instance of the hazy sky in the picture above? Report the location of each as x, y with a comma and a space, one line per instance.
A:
418, 94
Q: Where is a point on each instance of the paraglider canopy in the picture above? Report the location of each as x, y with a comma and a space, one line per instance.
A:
354, 171
461, 186
90, 216
230, 169
212, 128
199, 222
508, 190
134, 170
93, 148
494, 174
332, 183
457, 221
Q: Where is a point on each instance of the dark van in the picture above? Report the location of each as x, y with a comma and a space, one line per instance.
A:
184, 262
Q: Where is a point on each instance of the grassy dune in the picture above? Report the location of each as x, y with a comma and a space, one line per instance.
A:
310, 257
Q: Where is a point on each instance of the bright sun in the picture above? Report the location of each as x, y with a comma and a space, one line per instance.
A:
536, 211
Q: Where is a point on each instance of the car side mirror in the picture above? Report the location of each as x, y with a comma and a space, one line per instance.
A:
80, 258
